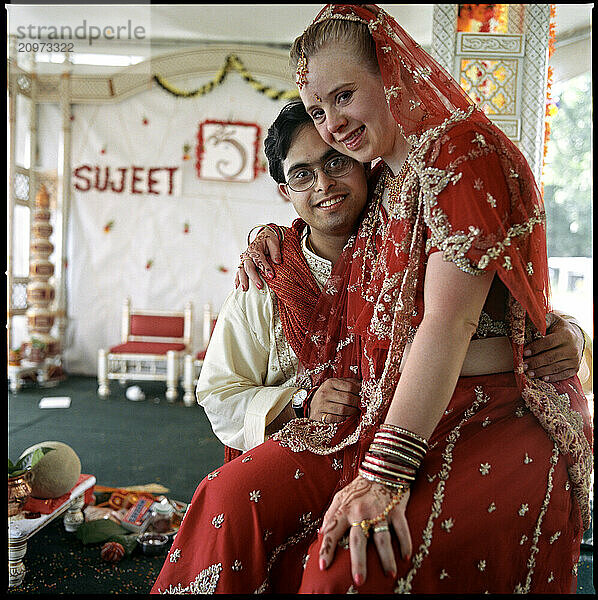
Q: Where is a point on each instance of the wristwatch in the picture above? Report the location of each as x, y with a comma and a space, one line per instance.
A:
298, 399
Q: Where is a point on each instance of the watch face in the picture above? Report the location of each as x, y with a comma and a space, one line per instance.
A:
299, 398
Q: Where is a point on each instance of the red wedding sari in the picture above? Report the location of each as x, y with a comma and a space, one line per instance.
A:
501, 499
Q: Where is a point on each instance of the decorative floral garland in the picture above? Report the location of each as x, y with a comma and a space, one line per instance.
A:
482, 18
551, 107
232, 62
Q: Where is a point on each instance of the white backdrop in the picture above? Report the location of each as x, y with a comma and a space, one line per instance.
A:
146, 253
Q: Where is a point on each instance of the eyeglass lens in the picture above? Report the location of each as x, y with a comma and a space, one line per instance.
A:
304, 178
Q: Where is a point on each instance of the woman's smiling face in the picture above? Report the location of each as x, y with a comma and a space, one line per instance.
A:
347, 104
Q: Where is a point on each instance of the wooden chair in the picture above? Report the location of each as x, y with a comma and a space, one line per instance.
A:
152, 348
192, 364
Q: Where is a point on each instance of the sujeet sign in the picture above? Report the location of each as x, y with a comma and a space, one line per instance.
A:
127, 180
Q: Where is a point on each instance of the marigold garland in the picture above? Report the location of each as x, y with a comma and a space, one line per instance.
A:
232, 62
551, 107
483, 18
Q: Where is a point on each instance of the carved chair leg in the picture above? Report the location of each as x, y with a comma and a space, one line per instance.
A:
189, 397
103, 384
172, 376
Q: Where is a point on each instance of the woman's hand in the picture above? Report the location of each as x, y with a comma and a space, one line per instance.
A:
363, 499
335, 400
266, 244
558, 354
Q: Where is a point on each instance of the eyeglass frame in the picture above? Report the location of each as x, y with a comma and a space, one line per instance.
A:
323, 168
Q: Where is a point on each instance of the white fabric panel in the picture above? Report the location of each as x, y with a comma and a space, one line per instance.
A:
104, 268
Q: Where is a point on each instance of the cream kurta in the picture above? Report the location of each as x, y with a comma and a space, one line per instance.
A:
249, 372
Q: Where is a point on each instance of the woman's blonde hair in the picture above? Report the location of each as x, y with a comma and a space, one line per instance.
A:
336, 31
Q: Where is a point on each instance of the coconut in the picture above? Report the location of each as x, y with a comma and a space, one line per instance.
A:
56, 473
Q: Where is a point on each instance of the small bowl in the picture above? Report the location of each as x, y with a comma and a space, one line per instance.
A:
153, 544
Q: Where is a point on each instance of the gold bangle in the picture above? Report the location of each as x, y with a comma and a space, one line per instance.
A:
395, 485
406, 432
370, 465
278, 232
389, 436
376, 448
252, 230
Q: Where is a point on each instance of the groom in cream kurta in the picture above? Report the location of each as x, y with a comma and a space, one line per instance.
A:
249, 374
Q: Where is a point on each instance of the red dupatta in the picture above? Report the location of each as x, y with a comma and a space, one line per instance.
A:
295, 287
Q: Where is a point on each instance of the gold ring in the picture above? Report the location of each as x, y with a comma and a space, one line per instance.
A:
365, 527
323, 419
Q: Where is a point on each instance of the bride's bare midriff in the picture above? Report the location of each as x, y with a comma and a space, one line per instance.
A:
484, 357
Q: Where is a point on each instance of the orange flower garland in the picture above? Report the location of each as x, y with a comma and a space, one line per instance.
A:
551, 107
483, 18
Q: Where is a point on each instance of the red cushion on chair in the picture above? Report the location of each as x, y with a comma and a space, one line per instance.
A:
145, 348
159, 326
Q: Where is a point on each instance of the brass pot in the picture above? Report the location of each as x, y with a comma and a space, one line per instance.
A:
19, 490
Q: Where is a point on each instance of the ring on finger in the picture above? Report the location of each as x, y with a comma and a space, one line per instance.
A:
323, 418
365, 527
382, 527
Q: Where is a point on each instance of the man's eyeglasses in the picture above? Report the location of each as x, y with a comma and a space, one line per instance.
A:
303, 178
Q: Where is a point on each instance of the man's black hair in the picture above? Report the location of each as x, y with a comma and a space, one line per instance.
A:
281, 134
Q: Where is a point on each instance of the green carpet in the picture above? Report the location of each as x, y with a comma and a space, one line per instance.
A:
124, 443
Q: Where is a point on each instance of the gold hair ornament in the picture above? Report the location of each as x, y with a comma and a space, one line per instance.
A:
301, 76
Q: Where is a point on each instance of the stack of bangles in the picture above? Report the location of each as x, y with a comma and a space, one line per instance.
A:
273, 227
276, 229
393, 459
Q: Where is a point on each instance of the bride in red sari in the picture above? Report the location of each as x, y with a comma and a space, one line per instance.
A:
445, 482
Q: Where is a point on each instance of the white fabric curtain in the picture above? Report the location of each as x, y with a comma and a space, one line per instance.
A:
161, 250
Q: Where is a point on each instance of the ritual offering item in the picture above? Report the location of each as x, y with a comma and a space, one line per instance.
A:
112, 552
138, 517
19, 490
162, 513
153, 544
56, 473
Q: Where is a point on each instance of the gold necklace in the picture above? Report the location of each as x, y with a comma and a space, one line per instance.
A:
394, 184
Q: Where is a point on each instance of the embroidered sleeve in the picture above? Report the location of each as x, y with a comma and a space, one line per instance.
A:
480, 219
469, 217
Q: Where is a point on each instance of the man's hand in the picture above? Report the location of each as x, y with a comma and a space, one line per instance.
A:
335, 400
558, 354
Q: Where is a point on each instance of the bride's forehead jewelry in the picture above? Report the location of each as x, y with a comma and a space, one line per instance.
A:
317, 98
301, 76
